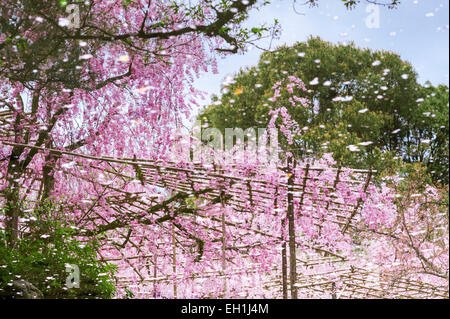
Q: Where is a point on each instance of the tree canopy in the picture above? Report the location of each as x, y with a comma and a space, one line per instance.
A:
369, 109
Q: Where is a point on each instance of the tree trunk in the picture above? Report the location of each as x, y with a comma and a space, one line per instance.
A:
13, 209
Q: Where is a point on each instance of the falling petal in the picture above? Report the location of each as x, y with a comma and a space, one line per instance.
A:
238, 91
143, 89
124, 58
86, 57
63, 22
343, 99
353, 148
314, 82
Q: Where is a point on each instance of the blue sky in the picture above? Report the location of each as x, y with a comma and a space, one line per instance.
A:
418, 30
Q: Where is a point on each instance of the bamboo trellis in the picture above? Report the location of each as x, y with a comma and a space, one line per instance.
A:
353, 282
347, 282
237, 193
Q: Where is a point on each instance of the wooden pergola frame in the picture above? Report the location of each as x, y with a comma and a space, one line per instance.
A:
237, 192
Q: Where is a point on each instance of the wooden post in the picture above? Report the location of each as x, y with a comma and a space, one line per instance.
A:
305, 178
291, 226
284, 263
224, 247
333, 290
283, 252
155, 272
224, 241
174, 261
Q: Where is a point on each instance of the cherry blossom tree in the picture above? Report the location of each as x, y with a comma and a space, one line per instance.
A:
115, 84
415, 245
89, 102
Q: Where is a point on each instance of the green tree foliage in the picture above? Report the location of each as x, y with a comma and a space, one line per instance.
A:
42, 255
369, 99
426, 138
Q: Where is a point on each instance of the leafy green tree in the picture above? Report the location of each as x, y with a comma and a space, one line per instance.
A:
42, 254
427, 135
366, 102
